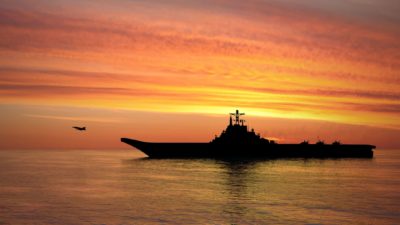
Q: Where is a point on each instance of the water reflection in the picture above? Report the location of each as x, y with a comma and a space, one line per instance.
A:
239, 191
230, 187
117, 187
237, 175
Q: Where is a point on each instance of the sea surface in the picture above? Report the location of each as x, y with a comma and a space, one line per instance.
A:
122, 187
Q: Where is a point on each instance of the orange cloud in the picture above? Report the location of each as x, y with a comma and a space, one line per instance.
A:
271, 58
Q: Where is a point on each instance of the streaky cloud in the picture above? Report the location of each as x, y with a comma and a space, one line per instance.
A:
74, 118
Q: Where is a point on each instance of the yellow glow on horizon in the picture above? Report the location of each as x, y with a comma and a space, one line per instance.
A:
203, 61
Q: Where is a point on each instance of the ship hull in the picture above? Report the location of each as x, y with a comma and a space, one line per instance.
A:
265, 151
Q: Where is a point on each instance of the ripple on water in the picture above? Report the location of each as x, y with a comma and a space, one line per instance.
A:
121, 187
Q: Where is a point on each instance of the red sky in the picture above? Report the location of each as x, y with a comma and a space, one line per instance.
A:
315, 69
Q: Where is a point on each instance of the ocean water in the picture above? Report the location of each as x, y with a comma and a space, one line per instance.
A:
122, 187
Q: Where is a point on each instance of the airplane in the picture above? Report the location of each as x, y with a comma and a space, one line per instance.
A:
80, 128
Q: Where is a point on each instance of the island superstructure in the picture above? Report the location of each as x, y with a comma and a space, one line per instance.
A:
237, 141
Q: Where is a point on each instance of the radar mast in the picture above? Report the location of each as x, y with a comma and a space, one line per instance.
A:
237, 117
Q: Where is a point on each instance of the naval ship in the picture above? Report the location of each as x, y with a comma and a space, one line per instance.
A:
237, 141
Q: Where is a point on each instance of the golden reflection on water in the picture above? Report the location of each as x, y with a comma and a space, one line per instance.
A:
120, 187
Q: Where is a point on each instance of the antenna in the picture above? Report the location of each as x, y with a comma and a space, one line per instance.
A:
237, 117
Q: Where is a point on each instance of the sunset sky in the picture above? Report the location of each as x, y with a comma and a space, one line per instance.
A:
172, 70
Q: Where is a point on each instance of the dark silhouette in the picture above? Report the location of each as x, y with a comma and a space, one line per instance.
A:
305, 142
336, 142
80, 128
236, 141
